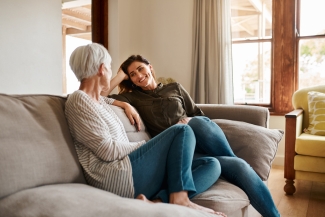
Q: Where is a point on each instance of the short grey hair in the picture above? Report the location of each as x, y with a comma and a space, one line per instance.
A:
86, 60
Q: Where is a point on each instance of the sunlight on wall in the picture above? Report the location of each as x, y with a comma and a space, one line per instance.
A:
71, 44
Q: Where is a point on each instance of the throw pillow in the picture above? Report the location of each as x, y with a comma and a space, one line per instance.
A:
316, 107
131, 131
255, 144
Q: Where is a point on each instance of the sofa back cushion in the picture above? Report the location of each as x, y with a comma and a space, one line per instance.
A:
36, 147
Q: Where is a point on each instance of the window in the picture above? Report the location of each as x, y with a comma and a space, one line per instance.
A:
311, 37
83, 22
296, 58
76, 31
252, 40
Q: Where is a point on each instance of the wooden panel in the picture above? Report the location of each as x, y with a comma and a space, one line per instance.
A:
284, 55
99, 21
290, 141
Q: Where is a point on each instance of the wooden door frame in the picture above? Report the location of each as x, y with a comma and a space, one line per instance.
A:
99, 22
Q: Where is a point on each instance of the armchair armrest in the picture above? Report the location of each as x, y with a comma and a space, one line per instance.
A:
293, 128
250, 114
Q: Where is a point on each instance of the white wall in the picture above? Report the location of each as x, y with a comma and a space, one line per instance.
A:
159, 30
31, 47
278, 122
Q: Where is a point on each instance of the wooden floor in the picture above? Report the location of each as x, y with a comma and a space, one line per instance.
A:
308, 201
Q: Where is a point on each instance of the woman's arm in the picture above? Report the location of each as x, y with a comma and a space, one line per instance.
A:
130, 112
116, 80
189, 105
91, 131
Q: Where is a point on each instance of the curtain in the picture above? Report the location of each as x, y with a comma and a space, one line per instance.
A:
212, 56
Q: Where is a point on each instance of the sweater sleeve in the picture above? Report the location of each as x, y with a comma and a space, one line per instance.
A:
189, 105
90, 130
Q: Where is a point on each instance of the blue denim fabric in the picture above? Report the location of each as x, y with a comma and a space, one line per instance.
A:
211, 141
205, 172
164, 165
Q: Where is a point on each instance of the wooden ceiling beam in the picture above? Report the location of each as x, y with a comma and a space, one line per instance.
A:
258, 5
72, 23
77, 14
73, 31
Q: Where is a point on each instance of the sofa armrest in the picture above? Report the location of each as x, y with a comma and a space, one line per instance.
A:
293, 128
256, 115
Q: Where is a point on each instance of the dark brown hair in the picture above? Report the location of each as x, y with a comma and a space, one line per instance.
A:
127, 85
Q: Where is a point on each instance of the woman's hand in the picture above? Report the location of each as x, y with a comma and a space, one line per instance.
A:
133, 116
122, 74
184, 120
118, 78
130, 112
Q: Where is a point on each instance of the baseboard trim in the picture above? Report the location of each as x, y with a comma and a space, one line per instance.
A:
278, 160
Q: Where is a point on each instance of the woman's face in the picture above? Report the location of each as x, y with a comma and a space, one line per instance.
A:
140, 74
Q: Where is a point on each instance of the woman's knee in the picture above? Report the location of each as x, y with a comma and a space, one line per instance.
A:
202, 123
212, 166
199, 120
235, 164
214, 162
182, 128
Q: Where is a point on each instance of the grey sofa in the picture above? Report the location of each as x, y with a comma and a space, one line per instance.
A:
40, 174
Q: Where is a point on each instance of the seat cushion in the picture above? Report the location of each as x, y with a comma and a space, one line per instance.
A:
66, 200
310, 176
310, 145
224, 197
309, 164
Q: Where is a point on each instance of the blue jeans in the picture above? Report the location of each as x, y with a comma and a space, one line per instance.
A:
165, 165
211, 141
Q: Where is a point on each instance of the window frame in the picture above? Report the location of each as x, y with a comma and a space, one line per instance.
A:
99, 22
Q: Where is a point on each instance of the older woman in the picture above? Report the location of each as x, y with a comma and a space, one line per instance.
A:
160, 169
162, 106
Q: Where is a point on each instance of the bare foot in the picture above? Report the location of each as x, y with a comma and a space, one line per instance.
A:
180, 198
221, 213
143, 198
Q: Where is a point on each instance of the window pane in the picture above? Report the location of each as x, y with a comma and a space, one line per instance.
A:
311, 62
252, 72
251, 19
312, 17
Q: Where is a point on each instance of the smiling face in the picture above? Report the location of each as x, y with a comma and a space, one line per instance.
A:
141, 75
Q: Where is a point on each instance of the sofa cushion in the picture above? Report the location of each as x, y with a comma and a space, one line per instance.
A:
132, 133
224, 197
309, 164
36, 147
66, 200
255, 144
311, 145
